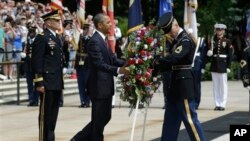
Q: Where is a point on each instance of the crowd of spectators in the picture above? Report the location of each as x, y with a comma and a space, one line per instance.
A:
16, 18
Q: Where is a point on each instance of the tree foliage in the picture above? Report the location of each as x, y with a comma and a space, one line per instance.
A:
230, 12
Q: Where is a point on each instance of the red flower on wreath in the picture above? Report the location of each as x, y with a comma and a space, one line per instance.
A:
145, 44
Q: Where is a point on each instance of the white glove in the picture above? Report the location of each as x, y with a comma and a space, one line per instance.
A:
228, 70
65, 70
202, 71
23, 55
209, 53
248, 87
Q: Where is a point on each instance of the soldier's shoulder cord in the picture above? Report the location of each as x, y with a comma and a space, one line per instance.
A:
185, 37
245, 49
80, 42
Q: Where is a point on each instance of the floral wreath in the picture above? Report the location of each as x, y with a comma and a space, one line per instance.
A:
145, 45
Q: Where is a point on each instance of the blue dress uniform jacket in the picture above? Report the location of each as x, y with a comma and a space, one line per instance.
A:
222, 55
182, 84
245, 67
47, 61
103, 65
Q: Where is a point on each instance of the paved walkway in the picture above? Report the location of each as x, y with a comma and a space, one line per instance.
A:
20, 123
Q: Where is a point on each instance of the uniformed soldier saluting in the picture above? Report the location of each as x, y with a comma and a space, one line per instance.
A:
47, 65
81, 66
180, 101
221, 57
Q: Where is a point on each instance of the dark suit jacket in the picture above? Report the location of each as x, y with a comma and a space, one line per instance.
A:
102, 68
47, 61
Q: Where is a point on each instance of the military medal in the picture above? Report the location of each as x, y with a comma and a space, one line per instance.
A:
52, 45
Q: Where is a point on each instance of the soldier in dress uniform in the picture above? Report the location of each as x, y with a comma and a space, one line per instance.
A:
180, 101
32, 93
245, 66
47, 65
81, 66
220, 54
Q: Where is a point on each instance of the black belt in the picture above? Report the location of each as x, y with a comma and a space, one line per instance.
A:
82, 54
181, 67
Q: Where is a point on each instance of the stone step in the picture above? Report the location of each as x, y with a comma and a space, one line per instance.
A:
8, 90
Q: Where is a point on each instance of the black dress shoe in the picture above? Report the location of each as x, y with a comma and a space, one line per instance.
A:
61, 105
216, 108
32, 104
84, 106
221, 108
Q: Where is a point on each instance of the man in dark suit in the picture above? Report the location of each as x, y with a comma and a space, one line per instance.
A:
47, 63
180, 101
102, 66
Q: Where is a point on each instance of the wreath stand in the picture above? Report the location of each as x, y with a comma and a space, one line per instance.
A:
134, 121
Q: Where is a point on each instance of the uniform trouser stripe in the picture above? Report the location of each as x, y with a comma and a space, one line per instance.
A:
190, 121
41, 118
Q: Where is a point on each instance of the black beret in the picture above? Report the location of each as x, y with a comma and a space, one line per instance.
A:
51, 15
166, 21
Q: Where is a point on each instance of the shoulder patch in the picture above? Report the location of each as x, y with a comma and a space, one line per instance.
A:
178, 49
243, 63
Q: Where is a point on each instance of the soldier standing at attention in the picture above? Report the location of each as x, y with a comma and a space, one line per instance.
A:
47, 65
81, 67
180, 101
221, 56
33, 94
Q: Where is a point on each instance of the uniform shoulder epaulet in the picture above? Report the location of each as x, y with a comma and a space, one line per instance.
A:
245, 49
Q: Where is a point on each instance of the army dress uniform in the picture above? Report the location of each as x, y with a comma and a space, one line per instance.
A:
220, 64
180, 101
245, 67
47, 65
32, 93
82, 71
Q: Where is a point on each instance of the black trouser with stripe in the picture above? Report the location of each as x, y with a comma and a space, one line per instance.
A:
48, 113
